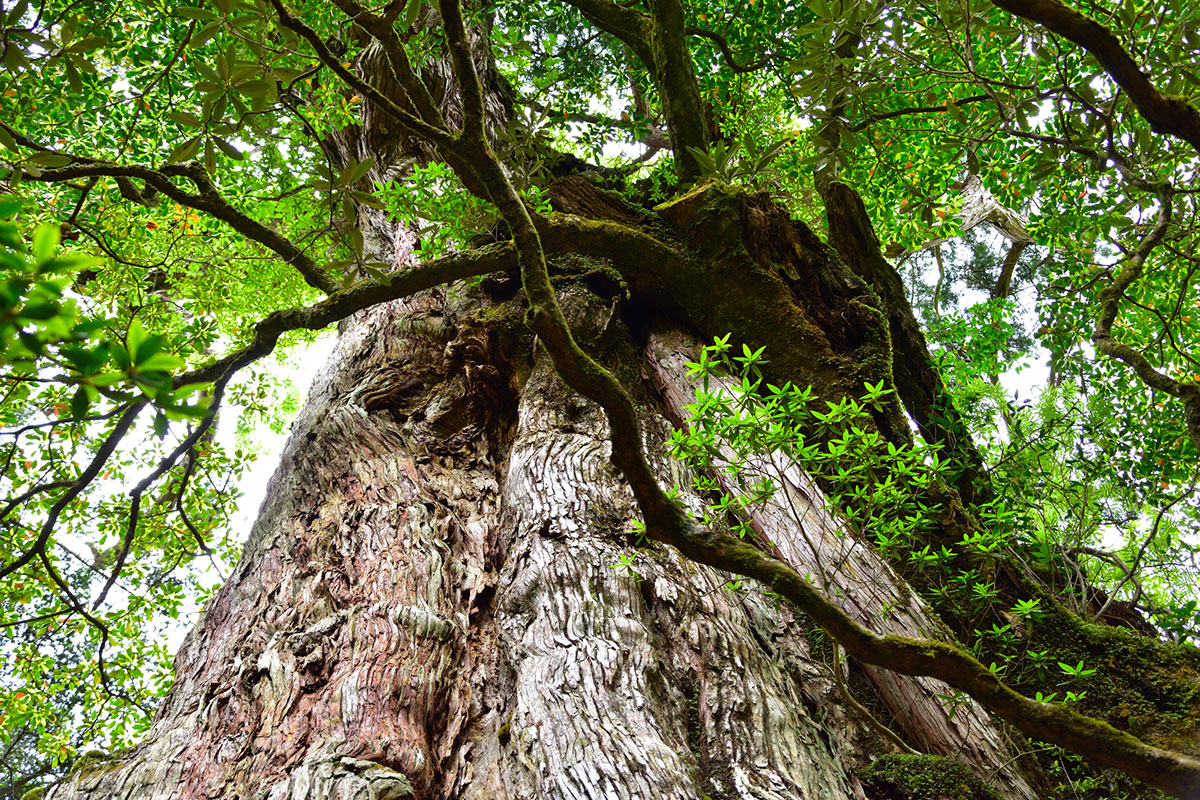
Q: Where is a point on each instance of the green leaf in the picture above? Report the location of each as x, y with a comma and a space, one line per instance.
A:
185, 151
136, 336
184, 118
88, 44
187, 12
10, 205
411, 12
50, 160
228, 149
45, 242
79, 403
145, 349
160, 361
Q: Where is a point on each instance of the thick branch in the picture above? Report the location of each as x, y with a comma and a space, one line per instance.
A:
1170, 115
675, 77
1172, 772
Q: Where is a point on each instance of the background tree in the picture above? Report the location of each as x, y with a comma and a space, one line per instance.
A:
450, 590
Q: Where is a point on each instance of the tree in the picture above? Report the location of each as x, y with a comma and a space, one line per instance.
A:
628, 478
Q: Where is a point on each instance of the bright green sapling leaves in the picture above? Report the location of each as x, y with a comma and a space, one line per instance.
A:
744, 435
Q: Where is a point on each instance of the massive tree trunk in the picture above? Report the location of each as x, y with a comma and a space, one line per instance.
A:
437, 600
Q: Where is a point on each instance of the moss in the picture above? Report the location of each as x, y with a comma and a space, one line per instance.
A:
505, 732
1148, 687
921, 777
34, 794
92, 761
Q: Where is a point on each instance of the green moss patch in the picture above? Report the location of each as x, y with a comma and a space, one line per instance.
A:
920, 777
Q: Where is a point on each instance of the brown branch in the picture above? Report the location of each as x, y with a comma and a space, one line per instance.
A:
675, 76
867, 122
207, 200
103, 453
493, 258
462, 61
1110, 303
727, 53
1170, 115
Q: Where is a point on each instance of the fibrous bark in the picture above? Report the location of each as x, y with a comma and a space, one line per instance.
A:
430, 605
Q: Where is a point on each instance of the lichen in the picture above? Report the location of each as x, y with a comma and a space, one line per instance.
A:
922, 777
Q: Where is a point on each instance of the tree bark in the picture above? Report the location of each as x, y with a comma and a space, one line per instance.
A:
431, 605
435, 603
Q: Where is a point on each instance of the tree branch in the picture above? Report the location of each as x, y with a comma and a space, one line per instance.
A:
208, 200
627, 24
1110, 302
727, 53
1170, 115
384, 32
435, 134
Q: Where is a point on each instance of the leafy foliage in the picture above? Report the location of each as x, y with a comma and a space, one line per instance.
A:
171, 180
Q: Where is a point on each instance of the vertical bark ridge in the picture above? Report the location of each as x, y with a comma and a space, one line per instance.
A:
654, 685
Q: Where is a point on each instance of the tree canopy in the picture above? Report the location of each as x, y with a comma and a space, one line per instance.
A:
177, 206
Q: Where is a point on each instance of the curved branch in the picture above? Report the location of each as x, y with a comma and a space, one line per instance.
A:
439, 136
1110, 302
207, 199
384, 32
105, 451
627, 24
727, 53
1170, 115
482, 261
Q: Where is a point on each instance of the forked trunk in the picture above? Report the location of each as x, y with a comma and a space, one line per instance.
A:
437, 601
